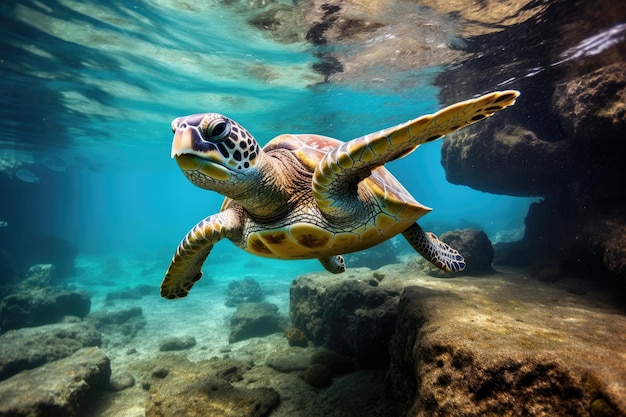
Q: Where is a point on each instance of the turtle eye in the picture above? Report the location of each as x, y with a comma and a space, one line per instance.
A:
217, 130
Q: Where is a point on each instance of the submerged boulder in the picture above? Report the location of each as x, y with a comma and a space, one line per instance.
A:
255, 320
59, 388
247, 290
468, 346
210, 397
31, 347
118, 326
177, 343
293, 360
102, 319
318, 376
511, 160
475, 247
593, 106
41, 306
515, 347
37, 276
562, 142
207, 391
348, 313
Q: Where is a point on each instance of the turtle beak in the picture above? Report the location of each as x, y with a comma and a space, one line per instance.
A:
189, 159
183, 141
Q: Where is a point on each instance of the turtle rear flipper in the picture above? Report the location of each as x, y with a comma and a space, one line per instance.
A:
336, 176
186, 266
434, 250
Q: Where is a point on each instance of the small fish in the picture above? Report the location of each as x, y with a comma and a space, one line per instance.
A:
26, 175
54, 164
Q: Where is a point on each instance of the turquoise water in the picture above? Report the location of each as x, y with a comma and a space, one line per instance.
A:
89, 91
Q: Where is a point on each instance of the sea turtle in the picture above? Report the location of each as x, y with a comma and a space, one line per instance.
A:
309, 196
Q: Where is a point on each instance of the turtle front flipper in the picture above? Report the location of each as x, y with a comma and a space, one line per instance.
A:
334, 264
186, 266
434, 250
340, 170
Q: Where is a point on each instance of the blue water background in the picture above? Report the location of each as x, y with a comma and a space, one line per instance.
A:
97, 86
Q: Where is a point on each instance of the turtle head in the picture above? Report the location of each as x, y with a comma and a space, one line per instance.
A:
215, 152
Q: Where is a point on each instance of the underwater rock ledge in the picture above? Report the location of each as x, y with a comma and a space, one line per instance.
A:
467, 346
564, 140
350, 313
60, 388
505, 356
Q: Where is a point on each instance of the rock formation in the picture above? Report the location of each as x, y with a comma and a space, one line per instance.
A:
207, 390
31, 347
41, 306
498, 353
467, 346
59, 388
247, 290
255, 320
353, 316
564, 141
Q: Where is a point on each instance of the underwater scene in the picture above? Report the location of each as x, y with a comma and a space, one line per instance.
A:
338, 208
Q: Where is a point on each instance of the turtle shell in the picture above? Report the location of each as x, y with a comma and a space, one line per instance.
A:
392, 210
